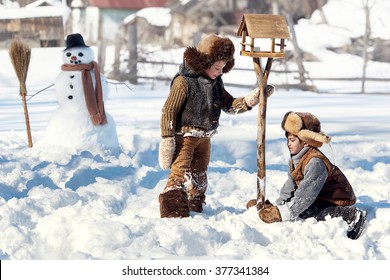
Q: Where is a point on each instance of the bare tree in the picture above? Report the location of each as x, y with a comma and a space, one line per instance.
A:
367, 5
286, 8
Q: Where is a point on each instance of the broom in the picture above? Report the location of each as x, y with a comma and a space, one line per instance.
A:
20, 54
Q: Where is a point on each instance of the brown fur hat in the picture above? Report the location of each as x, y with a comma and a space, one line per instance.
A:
211, 48
306, 127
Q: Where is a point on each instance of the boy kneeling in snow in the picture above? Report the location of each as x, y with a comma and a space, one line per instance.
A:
190, 117
315, 187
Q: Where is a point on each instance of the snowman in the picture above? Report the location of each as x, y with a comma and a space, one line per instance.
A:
80, 123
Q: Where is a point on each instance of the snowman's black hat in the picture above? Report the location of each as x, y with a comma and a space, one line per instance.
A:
74, 40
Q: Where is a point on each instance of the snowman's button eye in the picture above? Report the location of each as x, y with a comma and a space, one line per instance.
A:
81, 54
68, 54
72, 76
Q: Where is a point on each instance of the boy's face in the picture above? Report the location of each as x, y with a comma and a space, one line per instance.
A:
215, 70
294, 144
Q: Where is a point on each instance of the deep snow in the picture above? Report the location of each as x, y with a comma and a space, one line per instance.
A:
90, 205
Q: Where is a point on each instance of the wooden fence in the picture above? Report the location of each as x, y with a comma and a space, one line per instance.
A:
309, 84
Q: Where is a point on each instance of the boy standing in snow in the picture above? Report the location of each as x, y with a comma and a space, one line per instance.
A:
315, 187
190, 117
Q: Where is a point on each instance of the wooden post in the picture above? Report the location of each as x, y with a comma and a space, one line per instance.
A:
118, 44
133, 55
262, 79
258, 26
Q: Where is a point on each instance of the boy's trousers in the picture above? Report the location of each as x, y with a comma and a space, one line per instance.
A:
189, 167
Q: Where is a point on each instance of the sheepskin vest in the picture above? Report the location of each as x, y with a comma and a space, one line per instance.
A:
204, 102
336, 189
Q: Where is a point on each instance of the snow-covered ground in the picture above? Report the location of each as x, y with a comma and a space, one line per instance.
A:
89, 205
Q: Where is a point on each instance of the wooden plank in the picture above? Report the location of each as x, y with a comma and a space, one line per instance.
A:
262, 54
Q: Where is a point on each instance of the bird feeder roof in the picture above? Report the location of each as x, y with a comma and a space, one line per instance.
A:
264, 26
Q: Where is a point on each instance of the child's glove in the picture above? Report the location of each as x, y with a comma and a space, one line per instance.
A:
252, 99
166, 152
269, 213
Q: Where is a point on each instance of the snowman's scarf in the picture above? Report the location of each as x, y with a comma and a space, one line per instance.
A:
93, 97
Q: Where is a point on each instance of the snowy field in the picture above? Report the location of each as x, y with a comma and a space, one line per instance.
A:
56, 205
87, 205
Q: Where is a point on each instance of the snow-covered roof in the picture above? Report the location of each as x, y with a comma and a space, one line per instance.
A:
126, 4
155, 16
43, 2
34, 12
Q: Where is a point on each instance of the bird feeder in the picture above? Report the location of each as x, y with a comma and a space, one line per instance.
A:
271, 28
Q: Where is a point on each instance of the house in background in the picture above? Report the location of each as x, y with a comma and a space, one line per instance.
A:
101, 19
40, 24
47, 22
192, 18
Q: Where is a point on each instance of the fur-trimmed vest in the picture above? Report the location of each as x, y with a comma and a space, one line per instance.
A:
336, 189
204, 101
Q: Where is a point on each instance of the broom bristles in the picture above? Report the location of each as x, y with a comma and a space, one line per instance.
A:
20, 54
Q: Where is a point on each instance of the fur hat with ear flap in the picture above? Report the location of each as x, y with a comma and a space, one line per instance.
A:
210, 49
306, 127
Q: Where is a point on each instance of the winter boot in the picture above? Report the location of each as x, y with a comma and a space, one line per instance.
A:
355, 228
251, 203
174, 204
196, 203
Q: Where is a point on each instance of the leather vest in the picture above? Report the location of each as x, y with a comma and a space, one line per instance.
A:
336, 189
204, 102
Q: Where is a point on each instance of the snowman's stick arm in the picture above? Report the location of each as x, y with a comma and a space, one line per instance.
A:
39, 92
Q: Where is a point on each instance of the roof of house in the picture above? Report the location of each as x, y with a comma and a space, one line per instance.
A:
35, 12
264, 26
39, 3
126, 4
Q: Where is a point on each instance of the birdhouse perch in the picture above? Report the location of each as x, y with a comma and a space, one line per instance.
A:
263, 27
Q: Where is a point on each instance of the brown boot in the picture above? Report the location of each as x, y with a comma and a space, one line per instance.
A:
174, 204
196, 203
251, 203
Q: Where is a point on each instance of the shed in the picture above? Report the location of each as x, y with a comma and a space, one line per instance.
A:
39, 26
103, 18
263, 26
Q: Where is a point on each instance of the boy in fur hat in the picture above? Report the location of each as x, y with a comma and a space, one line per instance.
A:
190, 117
315, 187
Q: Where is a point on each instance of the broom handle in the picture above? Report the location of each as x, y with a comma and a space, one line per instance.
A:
23, 93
